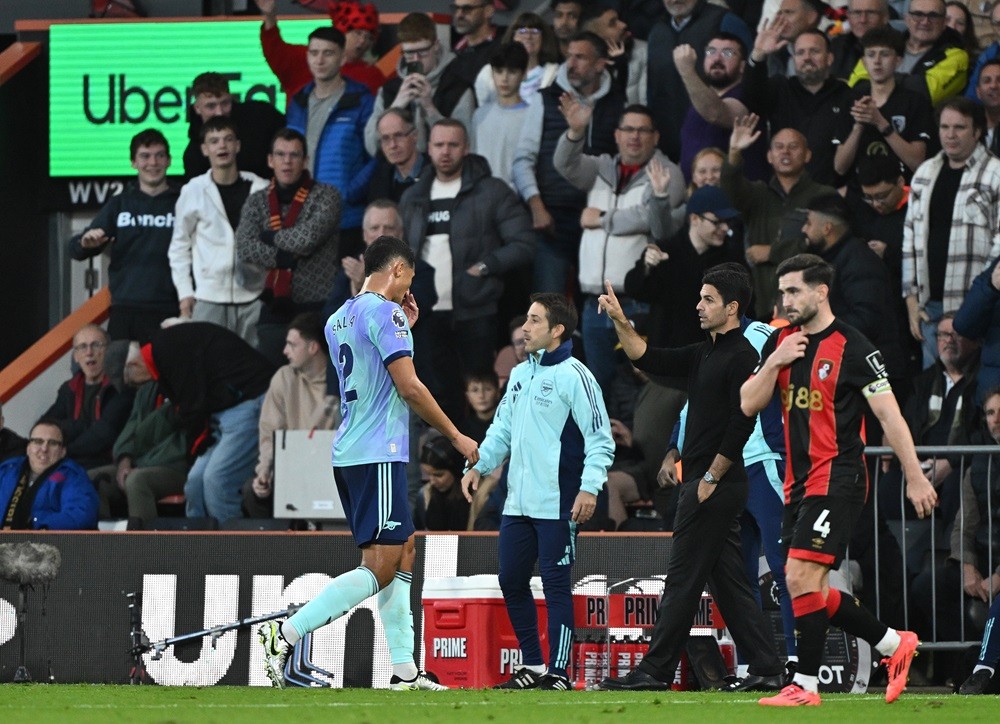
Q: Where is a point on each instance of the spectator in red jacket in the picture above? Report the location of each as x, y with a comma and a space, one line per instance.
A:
359, 24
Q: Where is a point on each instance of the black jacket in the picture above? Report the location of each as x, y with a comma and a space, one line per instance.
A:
921, 414
786, 103
715, 424
672, 290
90, 434
384, 185
862, 297
256, 123
141, 226
489, 224
204, 368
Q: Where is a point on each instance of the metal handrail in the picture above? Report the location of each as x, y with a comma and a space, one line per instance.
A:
934, 452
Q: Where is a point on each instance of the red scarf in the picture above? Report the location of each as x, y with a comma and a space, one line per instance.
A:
279, 280
278, 221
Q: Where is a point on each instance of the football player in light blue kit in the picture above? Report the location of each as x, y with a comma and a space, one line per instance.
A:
553, 425
372, 349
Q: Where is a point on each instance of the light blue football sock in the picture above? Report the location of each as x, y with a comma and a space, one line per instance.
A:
338, 597
397, 618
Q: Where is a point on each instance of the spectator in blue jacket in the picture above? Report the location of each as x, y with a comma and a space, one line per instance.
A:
979, 318
44, 489
991, 52
331, 112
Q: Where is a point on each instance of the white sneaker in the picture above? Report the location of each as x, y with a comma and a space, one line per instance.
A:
275, 652
422, 682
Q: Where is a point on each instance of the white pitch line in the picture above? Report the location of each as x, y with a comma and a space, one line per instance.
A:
562, 702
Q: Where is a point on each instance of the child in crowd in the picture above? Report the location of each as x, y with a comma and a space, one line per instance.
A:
496, 125
482, 395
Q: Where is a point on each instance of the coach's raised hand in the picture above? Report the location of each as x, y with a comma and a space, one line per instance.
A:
632, 343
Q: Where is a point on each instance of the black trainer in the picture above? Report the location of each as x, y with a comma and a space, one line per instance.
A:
553, 682
523, 678
978, 683
753, 682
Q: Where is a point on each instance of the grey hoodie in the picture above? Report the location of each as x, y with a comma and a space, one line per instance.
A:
423, 121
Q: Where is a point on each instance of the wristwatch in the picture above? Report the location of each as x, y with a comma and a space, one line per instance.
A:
710, 479
482, 269
888, 130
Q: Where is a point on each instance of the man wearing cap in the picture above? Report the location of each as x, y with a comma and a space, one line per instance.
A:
667, 277
862, 295
359, 24
621, 216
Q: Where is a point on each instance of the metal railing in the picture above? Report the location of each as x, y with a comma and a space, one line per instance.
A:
965, 454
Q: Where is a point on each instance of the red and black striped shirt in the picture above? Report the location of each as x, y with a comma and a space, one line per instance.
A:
823, 400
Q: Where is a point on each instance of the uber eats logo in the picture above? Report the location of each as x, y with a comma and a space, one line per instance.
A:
120, 101
109, 81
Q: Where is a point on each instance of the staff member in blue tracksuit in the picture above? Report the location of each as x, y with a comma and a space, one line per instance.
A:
553, 425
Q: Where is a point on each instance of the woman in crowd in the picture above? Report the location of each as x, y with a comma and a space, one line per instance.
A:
537, 37
440, 504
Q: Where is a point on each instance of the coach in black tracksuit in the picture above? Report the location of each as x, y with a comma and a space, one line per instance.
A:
706, 545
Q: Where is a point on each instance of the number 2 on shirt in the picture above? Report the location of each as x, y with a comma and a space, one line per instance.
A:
347, 360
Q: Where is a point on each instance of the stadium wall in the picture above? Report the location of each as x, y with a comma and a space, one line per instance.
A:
79, 629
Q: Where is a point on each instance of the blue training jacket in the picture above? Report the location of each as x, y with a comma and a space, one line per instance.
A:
340, 158
553, 425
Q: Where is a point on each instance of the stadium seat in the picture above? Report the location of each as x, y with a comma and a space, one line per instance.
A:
252, 524
206, 523
171, 506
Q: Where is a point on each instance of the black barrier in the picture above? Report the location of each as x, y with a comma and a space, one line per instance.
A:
191, 581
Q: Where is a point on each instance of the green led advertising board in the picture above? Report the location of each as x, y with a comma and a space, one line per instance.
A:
109, 81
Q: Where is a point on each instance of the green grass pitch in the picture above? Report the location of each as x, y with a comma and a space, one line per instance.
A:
40, 704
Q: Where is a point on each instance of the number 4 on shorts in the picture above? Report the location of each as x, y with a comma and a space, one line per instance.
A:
822, 526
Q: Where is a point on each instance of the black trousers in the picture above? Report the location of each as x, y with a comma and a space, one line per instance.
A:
706, 549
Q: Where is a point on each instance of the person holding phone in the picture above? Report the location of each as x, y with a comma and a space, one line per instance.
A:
429, 84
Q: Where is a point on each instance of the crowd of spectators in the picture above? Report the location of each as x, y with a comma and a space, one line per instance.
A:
591, 142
